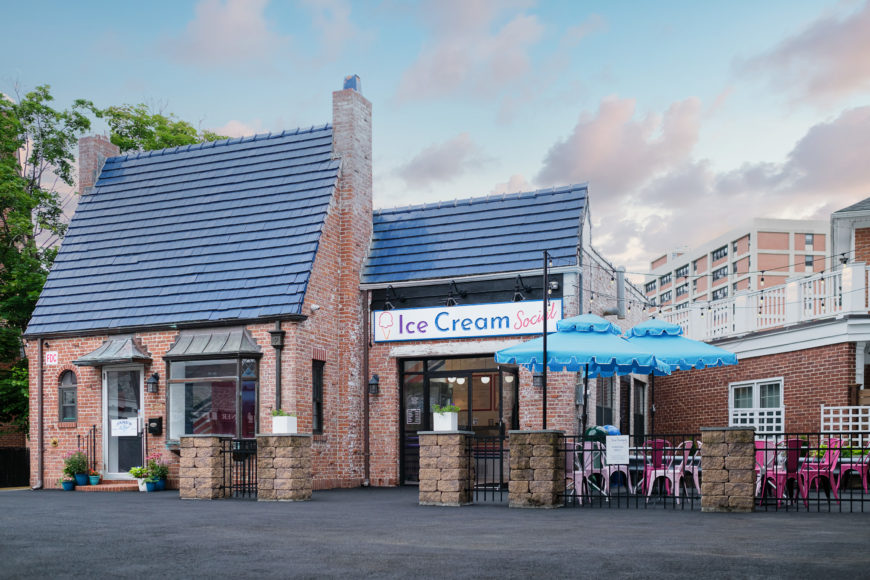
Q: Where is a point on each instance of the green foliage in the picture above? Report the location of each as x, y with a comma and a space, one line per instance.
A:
137, 128
445, 409
14, 396
138, 472
75, 462
283, 413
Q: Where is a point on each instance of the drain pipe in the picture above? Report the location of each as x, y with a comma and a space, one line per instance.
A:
365, 389
40, 454
278, 345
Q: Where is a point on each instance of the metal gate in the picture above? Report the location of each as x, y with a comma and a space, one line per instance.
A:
491, 468
239, 460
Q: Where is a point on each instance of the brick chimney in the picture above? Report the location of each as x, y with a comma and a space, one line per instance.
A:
93, 152
352, 143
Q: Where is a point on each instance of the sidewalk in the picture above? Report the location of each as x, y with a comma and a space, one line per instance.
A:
383, 533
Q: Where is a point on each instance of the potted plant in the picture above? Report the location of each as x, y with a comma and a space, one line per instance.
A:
67, 483
140, 473
158, 469
446, 417
151, 483
94, 477
75, 464
283, 422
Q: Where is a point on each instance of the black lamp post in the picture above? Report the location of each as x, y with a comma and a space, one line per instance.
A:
153, 383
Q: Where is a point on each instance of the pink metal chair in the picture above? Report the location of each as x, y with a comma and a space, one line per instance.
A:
582, 471
813, 471
764, 460
858, 465
658, 463
783, 475
606, 471
691, 465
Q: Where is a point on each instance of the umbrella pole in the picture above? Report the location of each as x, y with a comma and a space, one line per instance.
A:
652, 389
544, 373
585, 399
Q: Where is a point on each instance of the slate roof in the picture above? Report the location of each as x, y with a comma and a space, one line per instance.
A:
496, 234
217, 231
862, 205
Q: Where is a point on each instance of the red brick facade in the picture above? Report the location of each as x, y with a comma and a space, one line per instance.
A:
689, 400
862, 245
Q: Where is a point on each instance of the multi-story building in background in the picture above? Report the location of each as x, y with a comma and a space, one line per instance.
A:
760, 255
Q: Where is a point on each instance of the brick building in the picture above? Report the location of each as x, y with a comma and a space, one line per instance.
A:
200, 287
803, 346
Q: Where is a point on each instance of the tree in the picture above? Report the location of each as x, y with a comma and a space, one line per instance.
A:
36, 156
137, 128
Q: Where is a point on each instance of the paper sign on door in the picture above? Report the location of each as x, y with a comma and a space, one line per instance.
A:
124, 427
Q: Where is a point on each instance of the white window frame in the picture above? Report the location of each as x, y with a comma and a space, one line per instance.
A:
764, 419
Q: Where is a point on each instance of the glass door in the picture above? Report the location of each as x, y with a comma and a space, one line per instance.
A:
122, 413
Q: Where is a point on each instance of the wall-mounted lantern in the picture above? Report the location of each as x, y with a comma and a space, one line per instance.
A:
374, 385
153, 383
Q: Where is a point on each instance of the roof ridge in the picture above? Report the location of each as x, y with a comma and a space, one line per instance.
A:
219, 143
488, 198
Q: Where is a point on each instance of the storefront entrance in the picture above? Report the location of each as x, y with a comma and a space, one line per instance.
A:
122, 420
486, 396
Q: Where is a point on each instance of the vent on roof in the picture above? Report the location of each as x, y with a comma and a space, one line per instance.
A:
353, 82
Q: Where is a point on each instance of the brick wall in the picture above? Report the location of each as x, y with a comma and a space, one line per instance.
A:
862, 245
689, 400
11, 437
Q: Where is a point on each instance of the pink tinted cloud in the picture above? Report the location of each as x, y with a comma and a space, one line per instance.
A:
616, 152
826, 61
442, 162
231, 33
465, 54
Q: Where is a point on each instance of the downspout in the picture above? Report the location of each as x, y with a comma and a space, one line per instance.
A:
366, 462
40, 454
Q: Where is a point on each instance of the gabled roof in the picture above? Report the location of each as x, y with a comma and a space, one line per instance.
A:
863, 205
211, 232
496, 234
115, 351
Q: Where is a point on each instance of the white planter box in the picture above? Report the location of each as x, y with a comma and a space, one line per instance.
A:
446, 422
283, 425
141, 482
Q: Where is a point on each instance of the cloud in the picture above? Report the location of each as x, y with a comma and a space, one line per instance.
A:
575, 34
235, 128
616, 152
514, 184
826, 61
442, 162
648, 193
464, 54
331, 19
232, 33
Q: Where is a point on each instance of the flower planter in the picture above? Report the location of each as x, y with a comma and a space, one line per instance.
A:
94, 479
81, 478
68, 485
445, 422
150, 486
282, 425
161, 484
141, 481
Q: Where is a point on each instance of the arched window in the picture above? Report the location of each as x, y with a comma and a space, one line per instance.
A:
67, 396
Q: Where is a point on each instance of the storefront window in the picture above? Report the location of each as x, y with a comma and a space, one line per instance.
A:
67, 394
213, 397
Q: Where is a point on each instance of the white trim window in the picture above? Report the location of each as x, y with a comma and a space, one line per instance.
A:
757, 404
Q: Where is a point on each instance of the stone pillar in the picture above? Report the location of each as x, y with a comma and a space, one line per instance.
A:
284, 467
728, 469
446, 468
200, 472
537, 473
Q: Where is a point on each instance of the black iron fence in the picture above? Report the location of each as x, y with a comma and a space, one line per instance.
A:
239, 460
90, 444
639, 472
491, 468
816, 472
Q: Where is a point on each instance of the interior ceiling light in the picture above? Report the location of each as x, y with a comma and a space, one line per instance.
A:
508, 378
484, 380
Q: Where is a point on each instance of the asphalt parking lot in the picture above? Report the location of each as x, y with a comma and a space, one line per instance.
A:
383, 533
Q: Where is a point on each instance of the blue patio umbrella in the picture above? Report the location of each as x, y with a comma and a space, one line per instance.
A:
666, 342
587, 344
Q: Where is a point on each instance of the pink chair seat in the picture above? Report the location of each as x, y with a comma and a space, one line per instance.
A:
812, 471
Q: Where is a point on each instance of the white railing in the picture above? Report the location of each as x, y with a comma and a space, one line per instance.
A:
822, 295
851, 419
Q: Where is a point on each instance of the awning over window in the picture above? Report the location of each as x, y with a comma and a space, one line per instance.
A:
231, 344
115, 351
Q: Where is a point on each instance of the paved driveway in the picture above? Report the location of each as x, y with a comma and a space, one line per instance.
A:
383, 533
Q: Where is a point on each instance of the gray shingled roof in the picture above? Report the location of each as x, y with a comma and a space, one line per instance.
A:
496, 234
212, 232
862, 205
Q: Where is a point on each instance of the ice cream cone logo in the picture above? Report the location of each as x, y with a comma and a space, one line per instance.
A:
385, 321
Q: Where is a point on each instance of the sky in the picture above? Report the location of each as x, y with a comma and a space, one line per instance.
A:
686, 119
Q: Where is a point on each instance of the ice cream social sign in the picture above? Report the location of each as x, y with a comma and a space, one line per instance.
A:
467, 321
